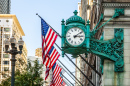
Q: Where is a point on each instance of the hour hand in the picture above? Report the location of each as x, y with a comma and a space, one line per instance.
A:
75, 36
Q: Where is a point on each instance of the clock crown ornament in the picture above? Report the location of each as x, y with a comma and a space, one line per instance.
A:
75, 18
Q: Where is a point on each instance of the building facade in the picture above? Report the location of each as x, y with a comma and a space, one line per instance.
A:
5, 6
38, 55
110, 77
92, 10
38, 52
9, 25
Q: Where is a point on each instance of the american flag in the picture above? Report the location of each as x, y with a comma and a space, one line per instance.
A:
63, 83
48, 39
58, 81
47, 73
52, 58
56, 73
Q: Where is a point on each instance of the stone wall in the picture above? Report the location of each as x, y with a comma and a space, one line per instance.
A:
111, 78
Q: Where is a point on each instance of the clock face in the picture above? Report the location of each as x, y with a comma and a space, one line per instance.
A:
75, 36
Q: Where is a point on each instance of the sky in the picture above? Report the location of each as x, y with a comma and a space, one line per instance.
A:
52, 11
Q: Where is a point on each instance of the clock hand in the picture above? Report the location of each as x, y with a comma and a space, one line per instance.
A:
77, 34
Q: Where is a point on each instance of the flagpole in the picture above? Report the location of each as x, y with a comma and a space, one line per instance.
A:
70, 72
66, 82
69, 75
50, 26
66, 78
90, 65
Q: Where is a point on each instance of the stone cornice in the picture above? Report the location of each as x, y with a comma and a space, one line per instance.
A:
116, 1
111, 5
7, 16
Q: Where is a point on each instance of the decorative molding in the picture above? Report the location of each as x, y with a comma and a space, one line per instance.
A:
111, 5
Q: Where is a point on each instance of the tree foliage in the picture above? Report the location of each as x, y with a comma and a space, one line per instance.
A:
30, 76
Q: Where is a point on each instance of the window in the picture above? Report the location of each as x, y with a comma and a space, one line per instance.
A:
6, 62
6, 68
7, 20
6, 36
3, 49
5, 75
6, 55
6, 29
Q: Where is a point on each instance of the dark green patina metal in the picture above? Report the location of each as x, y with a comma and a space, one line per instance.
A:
110, 49
118, 12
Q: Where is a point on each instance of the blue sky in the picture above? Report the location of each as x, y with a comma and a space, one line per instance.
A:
53, 11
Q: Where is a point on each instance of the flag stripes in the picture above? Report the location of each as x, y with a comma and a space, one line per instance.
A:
54, 55
48, 39
47, 73
50, 54
56, 72
51, 59
56, 75
58, 81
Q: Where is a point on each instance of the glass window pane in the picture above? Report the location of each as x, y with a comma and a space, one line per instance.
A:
6, 68
6, 36
6, 56
6, 29
6, 62
5, 75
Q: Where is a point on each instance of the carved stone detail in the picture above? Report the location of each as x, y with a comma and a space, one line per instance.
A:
116, 5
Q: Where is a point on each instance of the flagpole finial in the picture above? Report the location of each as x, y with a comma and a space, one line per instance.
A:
36, 13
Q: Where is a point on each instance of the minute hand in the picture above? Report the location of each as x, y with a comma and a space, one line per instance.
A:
77, 34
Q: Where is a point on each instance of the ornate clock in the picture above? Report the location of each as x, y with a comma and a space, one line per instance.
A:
75, 36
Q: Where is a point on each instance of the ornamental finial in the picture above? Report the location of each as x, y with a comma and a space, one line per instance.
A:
88, 21
62, 22
75, 12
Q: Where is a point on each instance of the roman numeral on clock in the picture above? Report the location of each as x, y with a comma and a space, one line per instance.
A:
69, 39
81, 39
68, 36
